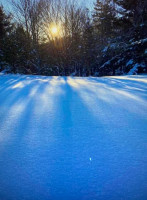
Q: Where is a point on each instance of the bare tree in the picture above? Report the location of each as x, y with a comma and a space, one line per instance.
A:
29, 14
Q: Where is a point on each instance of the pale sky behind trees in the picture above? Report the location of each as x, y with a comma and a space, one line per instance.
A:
87, 3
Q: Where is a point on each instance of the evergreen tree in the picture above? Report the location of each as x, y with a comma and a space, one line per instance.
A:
5, 24
18, 51
5, 29
134, 14
104, 19
89, 49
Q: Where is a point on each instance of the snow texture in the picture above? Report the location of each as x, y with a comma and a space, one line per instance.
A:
105, 49
105, 64
135, 68
130, 62
73, 138
139, 41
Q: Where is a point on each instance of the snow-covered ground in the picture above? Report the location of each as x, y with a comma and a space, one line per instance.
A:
73, 138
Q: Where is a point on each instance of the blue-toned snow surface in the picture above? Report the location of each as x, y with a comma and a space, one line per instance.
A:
65, 138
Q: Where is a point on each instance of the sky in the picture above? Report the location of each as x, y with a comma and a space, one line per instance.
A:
87, 3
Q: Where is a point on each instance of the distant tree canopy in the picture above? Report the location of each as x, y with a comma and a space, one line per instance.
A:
50, 37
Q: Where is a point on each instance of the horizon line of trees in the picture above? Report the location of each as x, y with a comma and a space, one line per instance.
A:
110, 40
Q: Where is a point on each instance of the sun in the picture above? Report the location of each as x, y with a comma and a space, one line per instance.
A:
54, 30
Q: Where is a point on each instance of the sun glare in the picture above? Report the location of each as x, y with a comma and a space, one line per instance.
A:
54, 30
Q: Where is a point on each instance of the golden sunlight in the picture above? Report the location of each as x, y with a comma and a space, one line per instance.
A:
54, 30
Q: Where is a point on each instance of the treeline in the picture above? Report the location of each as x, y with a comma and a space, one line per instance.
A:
109, 40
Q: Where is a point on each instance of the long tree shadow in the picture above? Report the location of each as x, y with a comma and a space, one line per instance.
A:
71, 132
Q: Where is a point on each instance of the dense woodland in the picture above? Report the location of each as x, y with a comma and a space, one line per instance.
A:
111, 39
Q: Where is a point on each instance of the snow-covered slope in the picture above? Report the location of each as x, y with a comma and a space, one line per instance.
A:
73, 138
